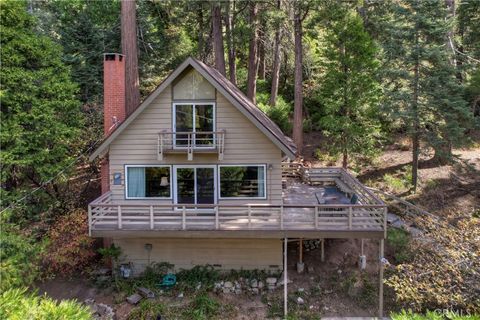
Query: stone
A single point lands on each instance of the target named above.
(238, 291)
(226, 290)
(180, 295)
(255, 290)
(300, 267)
(260, 285)
(301, 290)
(339, 271)
(271, 281)
(280, 282)
(146, 293)
(300, 301)
(134, 298)
(310, 269)
(105, 312)
(254, 283)
(228, 285)
(199, 285)
(89, 301)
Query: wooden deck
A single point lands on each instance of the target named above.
(300, 212)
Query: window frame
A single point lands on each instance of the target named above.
(216, 170)
(147, 166)
(219, 183)
(193, 103)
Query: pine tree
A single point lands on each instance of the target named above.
(349, 90)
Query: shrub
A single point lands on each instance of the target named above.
(19, 263)
(399, 242)
(18, 304)
(147, 309)
(432, 315)
(280, 113)
(203, 307)
(70, 248)
(206, 275)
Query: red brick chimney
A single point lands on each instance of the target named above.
(113, 104)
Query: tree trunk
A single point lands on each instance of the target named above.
(298, 94)
(129, 49)
(261, 55)
(252, 59)
(416, 121)
(232, 67)
(276, 63)
(201, 31)
(218, 38)
(345, 159)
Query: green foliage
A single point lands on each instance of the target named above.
(151, 277)
(206, 275)
(110, 253)
(18, 304)
(280, 113)
(432, 315)
(40, 115)
(349, 92)
(203, 307)
(147, 309)
(399, 242)
(19, 259)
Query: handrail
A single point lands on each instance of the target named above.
(189, 142)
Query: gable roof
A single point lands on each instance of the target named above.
(225, 87)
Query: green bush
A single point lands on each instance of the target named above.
(203, 307)
(399, 242)
(19, 259)
(147, 309)
(432, 315)
(206, 275)
(18, 304)
(280, 113)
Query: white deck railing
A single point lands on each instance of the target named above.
(190, 142)
(104, 215)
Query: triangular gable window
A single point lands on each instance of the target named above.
(192, 86)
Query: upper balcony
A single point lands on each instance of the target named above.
(317, 202)
(190, 143)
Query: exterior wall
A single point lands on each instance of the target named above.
(244, 144)
(225, 254)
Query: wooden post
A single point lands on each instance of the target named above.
(216, 218)
(183, 218)
(362, 244)
(380, 289)
(285, 291)
(249, 217)
(349, 218)
(300, 250)
(322, 254)
(281, 217)
(89, 221)
(119, 211)
(151, 218)
(385, 212)
(316, 217)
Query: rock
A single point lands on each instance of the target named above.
(199, 285)
(228, 285)
(254, 283)
(300, 267)
(280, 282)
(89, 301)
(238, 285)
(339, 271)
(271, 281)
(300, 301)
(180, 295)
(255, 290)
(301, 290)
(260, 285)
(134, 298)
(238, 291)
(226, 290)
(310, 269)
(146, 293)
(103, 278)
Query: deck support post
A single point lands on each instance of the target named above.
(89, 221)
(249, 217)
(281, 217)
(119, 211)
(300, 250)
(151, 218)
(350, 218)
(216, 217)
(183, 218)
(380, 289)
(285, 282)
(316, 217)
(322, 249)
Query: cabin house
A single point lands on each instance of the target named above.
(197, 174)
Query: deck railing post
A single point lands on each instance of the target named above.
(216, 218)
(119, 211)
(151, 218)
(350, 218)
(249, 217)
(385, 213)
(281, 217)
(316, 217)
(184, 218)
(89, 221)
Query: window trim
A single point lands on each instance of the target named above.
(193, 104)
(242, 165)
(146, 166)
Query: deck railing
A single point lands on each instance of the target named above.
(103, 215)
(190, 142)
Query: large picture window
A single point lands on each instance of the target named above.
(199, 119)
(242, 181)
(148, 182)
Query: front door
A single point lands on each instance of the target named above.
(195, 184)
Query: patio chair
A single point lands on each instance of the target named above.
(354, 199)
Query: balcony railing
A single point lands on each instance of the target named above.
(191, 142)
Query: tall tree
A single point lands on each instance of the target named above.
(349, 90)
(218, 37)
(276, 59)
(229, 28)
(129, 49)
(253, 53)
(40, 114)
(300, 11)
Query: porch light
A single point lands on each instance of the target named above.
(270, 167)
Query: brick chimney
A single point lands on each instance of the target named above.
(113, 104)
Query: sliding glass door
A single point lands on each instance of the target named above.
(194, 124)
(195, 184)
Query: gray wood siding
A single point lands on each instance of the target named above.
(186, 253)
(244, 144)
